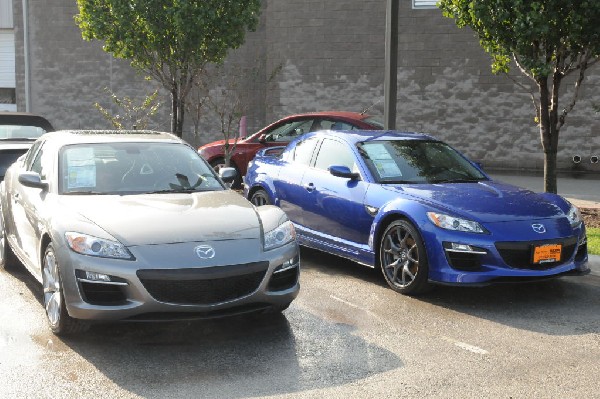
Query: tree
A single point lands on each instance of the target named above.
(133, 116)
(170, 40)
(548, 40)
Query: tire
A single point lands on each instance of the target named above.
(219, 163)
(403, 259)
(54, 301)
(8, 260)
(260, 198)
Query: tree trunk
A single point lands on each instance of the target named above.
(546, 135)
(174, 108)
(180, 114)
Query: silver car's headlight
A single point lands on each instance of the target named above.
(280, 235)
(453, 223)
(574, 216)
(94, 246)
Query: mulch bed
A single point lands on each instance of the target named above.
(591, 217)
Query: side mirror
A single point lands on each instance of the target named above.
(227, 174)
(343, 171)
(262, 138)
(32, 179)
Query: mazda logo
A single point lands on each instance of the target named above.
(205, 251)
(538, 228)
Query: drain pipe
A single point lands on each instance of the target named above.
(576, 159)
(25, 7)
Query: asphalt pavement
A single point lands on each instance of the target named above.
(582, 191)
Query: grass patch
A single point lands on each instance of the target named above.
(593, 236)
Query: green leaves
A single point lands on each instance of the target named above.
(543, 34)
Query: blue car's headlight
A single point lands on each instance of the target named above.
(453, 223)
(94, 246)
(574, 216)
(280, 235)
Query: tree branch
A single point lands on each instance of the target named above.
(530, 92)
(582, 66)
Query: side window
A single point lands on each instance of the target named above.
(337, 125)
(41, 163)
(304, 151)
(289, 131)
(31, 154)
(335, 153)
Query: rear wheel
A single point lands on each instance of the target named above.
(54, 301)
(260, 198)
(403, 259)
(219, 163)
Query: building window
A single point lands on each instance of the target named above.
(424, 3)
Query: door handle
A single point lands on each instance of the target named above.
(309, 187)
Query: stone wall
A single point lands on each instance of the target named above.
(331, 55)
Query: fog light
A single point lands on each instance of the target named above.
(93, 276)
(461, 247)
(288, 264)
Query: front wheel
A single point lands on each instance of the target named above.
(260, 198)
(54, 300)
(403, 259)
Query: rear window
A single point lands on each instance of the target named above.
(7, 157)
(19, 132)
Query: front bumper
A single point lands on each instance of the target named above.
(504, 255)
(159, 285)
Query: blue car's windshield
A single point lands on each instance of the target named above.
(130, 168)
(417, 161)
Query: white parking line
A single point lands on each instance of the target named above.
(465, 346)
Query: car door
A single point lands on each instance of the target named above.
(288, 185)
(334, 206)
(30, 201)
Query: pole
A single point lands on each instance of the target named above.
(391, 64)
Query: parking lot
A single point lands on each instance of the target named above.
(347, 335)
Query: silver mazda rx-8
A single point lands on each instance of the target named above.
(137, 226)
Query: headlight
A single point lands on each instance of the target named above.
(279, 236)
(94, 246)
(453, 223)
(574, 216)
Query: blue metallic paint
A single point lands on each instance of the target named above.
(332, 215)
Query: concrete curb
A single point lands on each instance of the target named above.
(594, 264)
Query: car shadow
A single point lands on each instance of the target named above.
(561, 306)
(236, 357)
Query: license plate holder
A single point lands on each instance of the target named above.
(548, 253)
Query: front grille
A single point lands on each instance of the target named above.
(518, 254)
(203, 286)
(102, 294)
(284, 280)
(463, 260)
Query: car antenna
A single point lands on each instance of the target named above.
(369, 107)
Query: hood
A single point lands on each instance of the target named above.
(487, 201)
(169, 218)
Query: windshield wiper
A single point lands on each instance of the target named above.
(18, 139)
(85, 192)
(474, 180)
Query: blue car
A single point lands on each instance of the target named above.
(416, 208)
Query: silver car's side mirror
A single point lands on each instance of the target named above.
(227, 174)
(32, 179)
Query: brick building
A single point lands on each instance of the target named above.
(331, 54)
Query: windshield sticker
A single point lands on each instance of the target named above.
(383, 160)
(81, 168)
(387, 168)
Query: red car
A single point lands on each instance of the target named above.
(282, 132)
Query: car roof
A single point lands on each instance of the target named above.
(356, 136)
(25, 119)
(64, 137)
(341, 114)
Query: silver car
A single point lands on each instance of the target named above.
(137, 226)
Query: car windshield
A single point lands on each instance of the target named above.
(417, 161)
(133, 168)
(374, 122)
(20, 132)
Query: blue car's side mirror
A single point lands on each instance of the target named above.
(343, 171)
